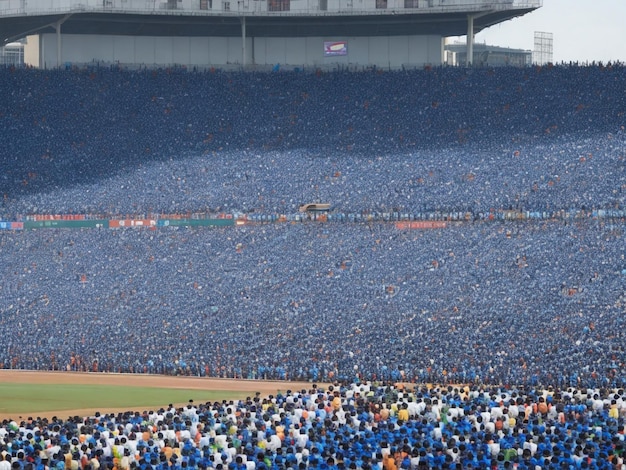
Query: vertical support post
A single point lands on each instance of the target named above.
(57, 26)
(243, 41)
(470, 40)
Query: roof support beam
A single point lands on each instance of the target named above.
(23, 34)
(470, 35)
(57, 27)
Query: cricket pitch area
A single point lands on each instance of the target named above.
(36, 378)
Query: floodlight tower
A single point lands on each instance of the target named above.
(542, 52)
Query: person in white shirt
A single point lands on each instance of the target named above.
(302, 438)
(185, 434)
(5, 461)
(273, 442)
(250, 464)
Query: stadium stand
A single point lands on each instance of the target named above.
(104, 141)
(519, 305)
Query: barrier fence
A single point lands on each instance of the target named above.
(402, 220)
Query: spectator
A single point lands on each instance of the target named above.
(530, 302)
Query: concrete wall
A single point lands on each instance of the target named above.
(31, 51)
(386, 52)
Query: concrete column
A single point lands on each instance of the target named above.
(470, 40)
(243, 41)
(57, 26)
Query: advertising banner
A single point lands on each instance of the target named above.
(335, 48)
(420, 225)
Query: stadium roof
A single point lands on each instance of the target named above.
(282, 24)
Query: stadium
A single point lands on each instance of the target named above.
(429, 260)
(251, 34)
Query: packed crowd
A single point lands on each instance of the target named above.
(538, 302)
(488, 302)
(122, 142)
(359, 426)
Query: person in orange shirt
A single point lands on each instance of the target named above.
(280, 432)
(542, 407)
(146, 435)
(384, 413)
(499, 423)
(389, 462)
(167, 450)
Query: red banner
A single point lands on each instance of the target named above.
(420, 224)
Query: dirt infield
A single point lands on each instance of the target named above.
(139, 380)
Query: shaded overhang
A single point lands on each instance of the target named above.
(378, 23)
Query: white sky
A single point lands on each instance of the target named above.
(584, 30)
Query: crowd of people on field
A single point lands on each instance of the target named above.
(360, 426)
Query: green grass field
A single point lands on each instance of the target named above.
(22, 398)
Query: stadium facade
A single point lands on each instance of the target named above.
(249, 34)
(486, 55)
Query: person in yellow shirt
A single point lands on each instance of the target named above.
(67, 457)
(336, 403)
(403, 413)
